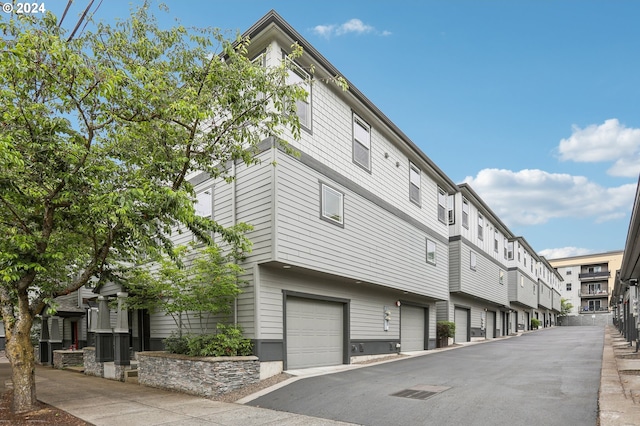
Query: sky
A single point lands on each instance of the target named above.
(535, 104)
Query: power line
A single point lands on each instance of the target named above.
(84, 14)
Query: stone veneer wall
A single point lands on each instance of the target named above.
(202, 376)
(91, 367)
(64, 359)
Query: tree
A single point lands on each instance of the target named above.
(565, 307)
(190, 284)
(97, 137)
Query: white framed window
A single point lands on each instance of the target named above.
(331, 205)
(451, 209)
(299, 77)
(521, 281)
(510, 250)
(472, 261)
(568, 272)
(480, 227)
(204, 203)
(568, 286)
(431, 252)
(414, 183)
(465, 213)
(501, 276)
(495, 240)
(505, 243)
(442, 206)
(361, 143)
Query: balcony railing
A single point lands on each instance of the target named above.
(594, 275)
(586, 309)
(594, 294)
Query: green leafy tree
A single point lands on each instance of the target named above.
(565, 307)
(190, 284)
(98, 134)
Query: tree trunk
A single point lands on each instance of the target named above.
(19, 351)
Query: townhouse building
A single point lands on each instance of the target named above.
(588, 281)
(360, 242)
(478, 288)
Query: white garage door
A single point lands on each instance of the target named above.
(491, 325)
(314, 333)
(411, 328)
(461, 320)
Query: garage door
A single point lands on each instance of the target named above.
(462, 321)
(491, 325)
(314, 333)
(411, 328)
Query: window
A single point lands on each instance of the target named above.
(298, 76)
(204, 203)
(465, 213)
(472, 261)
(501, 277)
(534, 289)
(414, 183)
(442, 205)
(505, 248)
(568, 286)
(480, 227)
(452, 213)
(593, 269)
(431, 252)
(332, 205)
(521, 281)
(510, 250)
(525, 260)
(495, 240)
(361, 143)
(568, 272)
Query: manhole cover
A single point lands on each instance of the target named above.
(420, 392)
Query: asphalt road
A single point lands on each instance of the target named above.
(547, 377)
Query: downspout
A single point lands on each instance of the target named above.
(233, 223)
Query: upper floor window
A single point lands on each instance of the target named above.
(465, 213)
(472, 261)
(480, 227)
(495, 241)
(451, 210)
(298, 76)
(501, 277)
(204, 203)
(332, 204)
(431, 252)
(568, 272)
(442, 206)
(593, 269)
(414, 183)
(506, 249)
(568, 286)
(361, 143)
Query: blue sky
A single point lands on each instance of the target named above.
(535, 104)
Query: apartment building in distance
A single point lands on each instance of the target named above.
(588, 280)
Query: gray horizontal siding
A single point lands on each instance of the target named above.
(366, 303)
(374, 245)
(483, 282)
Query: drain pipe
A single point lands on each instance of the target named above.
(233, 223)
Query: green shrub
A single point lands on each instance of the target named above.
(446, 329)
(228, 341)
(535, 323)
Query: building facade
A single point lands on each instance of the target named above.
(360, 242)
(588, 280)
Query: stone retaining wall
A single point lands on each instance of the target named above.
(65, 358)
(202, 376)
(91, 367)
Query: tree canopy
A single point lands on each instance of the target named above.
(98, 135)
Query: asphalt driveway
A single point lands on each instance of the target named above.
(546, 377)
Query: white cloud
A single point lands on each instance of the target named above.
(559, 253)
(351, 26)
(610, 141)
(533, 197)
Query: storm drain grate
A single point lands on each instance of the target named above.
(420, 392)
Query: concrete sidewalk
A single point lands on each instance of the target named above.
(619, 396)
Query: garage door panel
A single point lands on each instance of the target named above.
(412, 328)
(491, 325)
(461, 318)
(314, 333)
